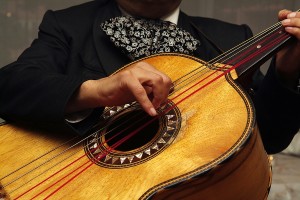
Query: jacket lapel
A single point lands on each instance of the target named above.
(110, 56)
(206, 50)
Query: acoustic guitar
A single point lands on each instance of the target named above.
(204, 144)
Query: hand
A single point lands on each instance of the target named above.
(287, 60)
(140, 82)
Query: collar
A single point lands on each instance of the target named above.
(172, 17)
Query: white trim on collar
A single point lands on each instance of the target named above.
(172, 17)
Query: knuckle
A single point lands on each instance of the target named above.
(158, 78)
(168, 81)
(125, 74)
(143, 64)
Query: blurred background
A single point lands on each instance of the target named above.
(19, 20)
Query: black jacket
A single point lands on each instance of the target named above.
(72, 48)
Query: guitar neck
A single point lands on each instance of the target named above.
(261, 48)
(247, 57)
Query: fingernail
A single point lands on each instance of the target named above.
(286, 21)
(293, 14)
(288, 29)
(153, 112)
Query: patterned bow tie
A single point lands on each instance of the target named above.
(138, 38)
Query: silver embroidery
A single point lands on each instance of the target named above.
(138, 37)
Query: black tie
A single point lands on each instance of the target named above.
(138, 38)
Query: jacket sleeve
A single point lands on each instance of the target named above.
(36, 88)
(278, 112)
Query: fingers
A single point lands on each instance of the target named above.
(291, 22)
(283, 14)
(140, 94)
(149, 86)
(158, 82)
(287, 59)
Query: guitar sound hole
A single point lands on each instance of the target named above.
(128, 123)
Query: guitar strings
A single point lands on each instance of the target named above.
(221, 57)
(64, 151)
(234, 51)
(105, 153)
(63, 144)
(58, 163)
(65, 158)
(226, 55)
(41, 156)
(253, 39)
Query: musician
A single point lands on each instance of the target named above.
(65, 72)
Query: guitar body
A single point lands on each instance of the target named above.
(213, 150)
